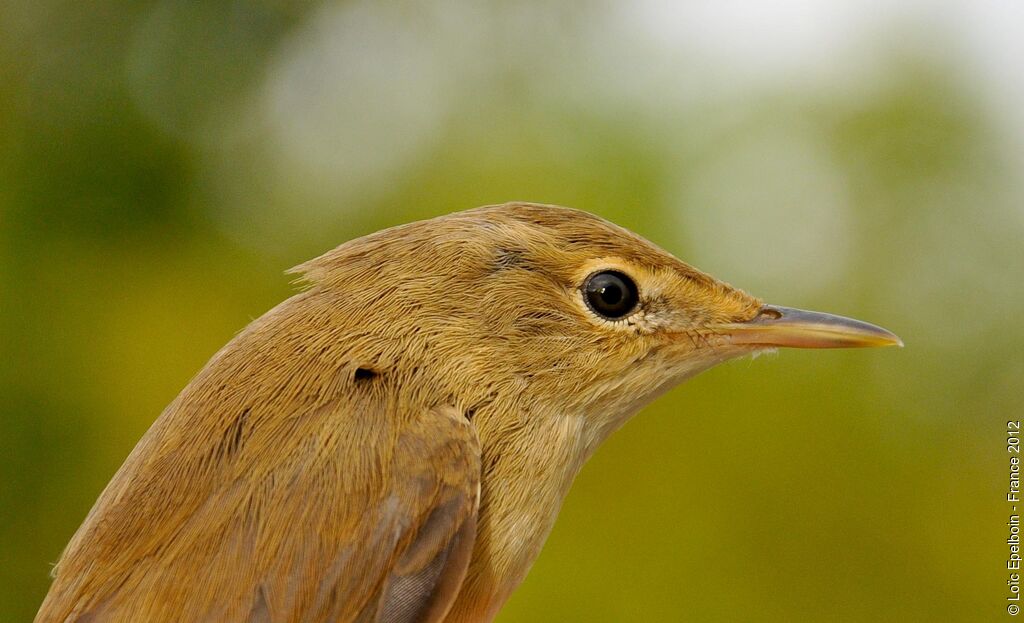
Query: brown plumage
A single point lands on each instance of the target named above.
(393, 443)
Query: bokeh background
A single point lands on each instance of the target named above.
(163, 162)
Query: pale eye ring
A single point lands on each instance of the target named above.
(611, 294)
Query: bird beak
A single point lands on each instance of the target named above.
(796, 328)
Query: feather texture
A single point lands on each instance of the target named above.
(318, 499)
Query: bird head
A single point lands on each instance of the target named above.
(553, 310)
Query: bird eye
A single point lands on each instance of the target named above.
(610, 294)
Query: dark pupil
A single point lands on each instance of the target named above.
(611, 294)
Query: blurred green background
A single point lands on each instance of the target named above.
(163, 162)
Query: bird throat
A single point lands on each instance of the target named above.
(524, 483)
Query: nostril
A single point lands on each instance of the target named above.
(769, 313)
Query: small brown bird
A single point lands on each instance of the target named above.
(394, 442)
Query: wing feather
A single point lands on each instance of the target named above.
(348, 510)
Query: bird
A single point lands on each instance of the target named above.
(393, 443)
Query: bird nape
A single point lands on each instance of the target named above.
(393, 442)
